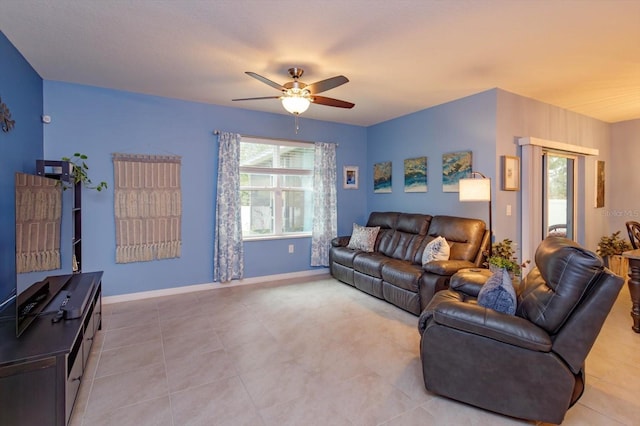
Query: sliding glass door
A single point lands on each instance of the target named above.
(558, 201)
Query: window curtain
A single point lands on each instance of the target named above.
(228, 262)
(325, 213)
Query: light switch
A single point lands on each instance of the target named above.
(508, 209)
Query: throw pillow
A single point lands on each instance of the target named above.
(498, 293)
(437, 249)
(363, 238)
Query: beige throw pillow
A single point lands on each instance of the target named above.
(363, 238)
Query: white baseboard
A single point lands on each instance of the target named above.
(210, 286)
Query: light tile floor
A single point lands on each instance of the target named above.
(317, 352)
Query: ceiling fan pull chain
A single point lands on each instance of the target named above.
(297, 127)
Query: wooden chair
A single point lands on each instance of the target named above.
(633, 228)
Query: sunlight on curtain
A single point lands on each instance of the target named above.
(228, 256)
(325, 215)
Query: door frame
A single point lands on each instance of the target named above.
(531, 195)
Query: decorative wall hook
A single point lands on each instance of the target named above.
(5, 117)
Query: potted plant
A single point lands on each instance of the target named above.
(503, 256)
(80, 169)
(610, 248)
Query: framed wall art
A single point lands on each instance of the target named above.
(599, 184)
(382, 177)
(350, 177)
(510, 173)
(455, 166)
(415, 174)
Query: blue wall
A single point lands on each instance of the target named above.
(21, 91)
(467, 124)
(99, 122)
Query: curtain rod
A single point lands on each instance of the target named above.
(217, 132)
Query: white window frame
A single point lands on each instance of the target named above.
(278, 173)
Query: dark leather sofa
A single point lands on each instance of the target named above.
(394, 271)
(530, 365)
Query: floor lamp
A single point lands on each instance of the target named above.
(478, 189)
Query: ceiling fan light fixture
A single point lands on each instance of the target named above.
(295, 104)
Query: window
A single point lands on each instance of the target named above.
(276, 188)
(558, 201)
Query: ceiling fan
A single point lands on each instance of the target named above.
(296, 95)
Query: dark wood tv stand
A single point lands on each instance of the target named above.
(41, 371)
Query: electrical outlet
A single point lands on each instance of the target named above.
(290, 248)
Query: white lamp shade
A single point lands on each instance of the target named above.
(295, 104)
(475, 189)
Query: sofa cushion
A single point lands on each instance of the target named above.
(498, 293)
(405, 246)
(384, 220)
(370, 263)
(413, 223)
(363, 237)
(344, 256)
(400, 233)
(402, 274)
(437, 249)
(463, 235)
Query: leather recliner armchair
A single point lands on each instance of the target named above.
(529, 365)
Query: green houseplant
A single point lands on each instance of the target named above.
(612, 245)
(503, 256)
(610, 248)
(80, 169)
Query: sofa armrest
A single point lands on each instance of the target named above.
(449, 309)
(341, 241)
(469, 281)
(447, 267)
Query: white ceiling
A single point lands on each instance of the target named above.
(401, 56)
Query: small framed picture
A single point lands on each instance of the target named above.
(350, 179)
(510, 173)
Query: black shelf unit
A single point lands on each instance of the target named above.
(63, 171)
(42, 370)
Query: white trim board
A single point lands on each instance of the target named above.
(558, 146)
(210, 286)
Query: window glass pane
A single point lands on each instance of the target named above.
(297, 211)
(289, 181)
(257, 213)
(295, 157)
(256, 154)
(256, 180)
(559, 199)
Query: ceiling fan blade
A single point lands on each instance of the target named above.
(324, 85)
(322, 100)
(265, 80)
(255, 99)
